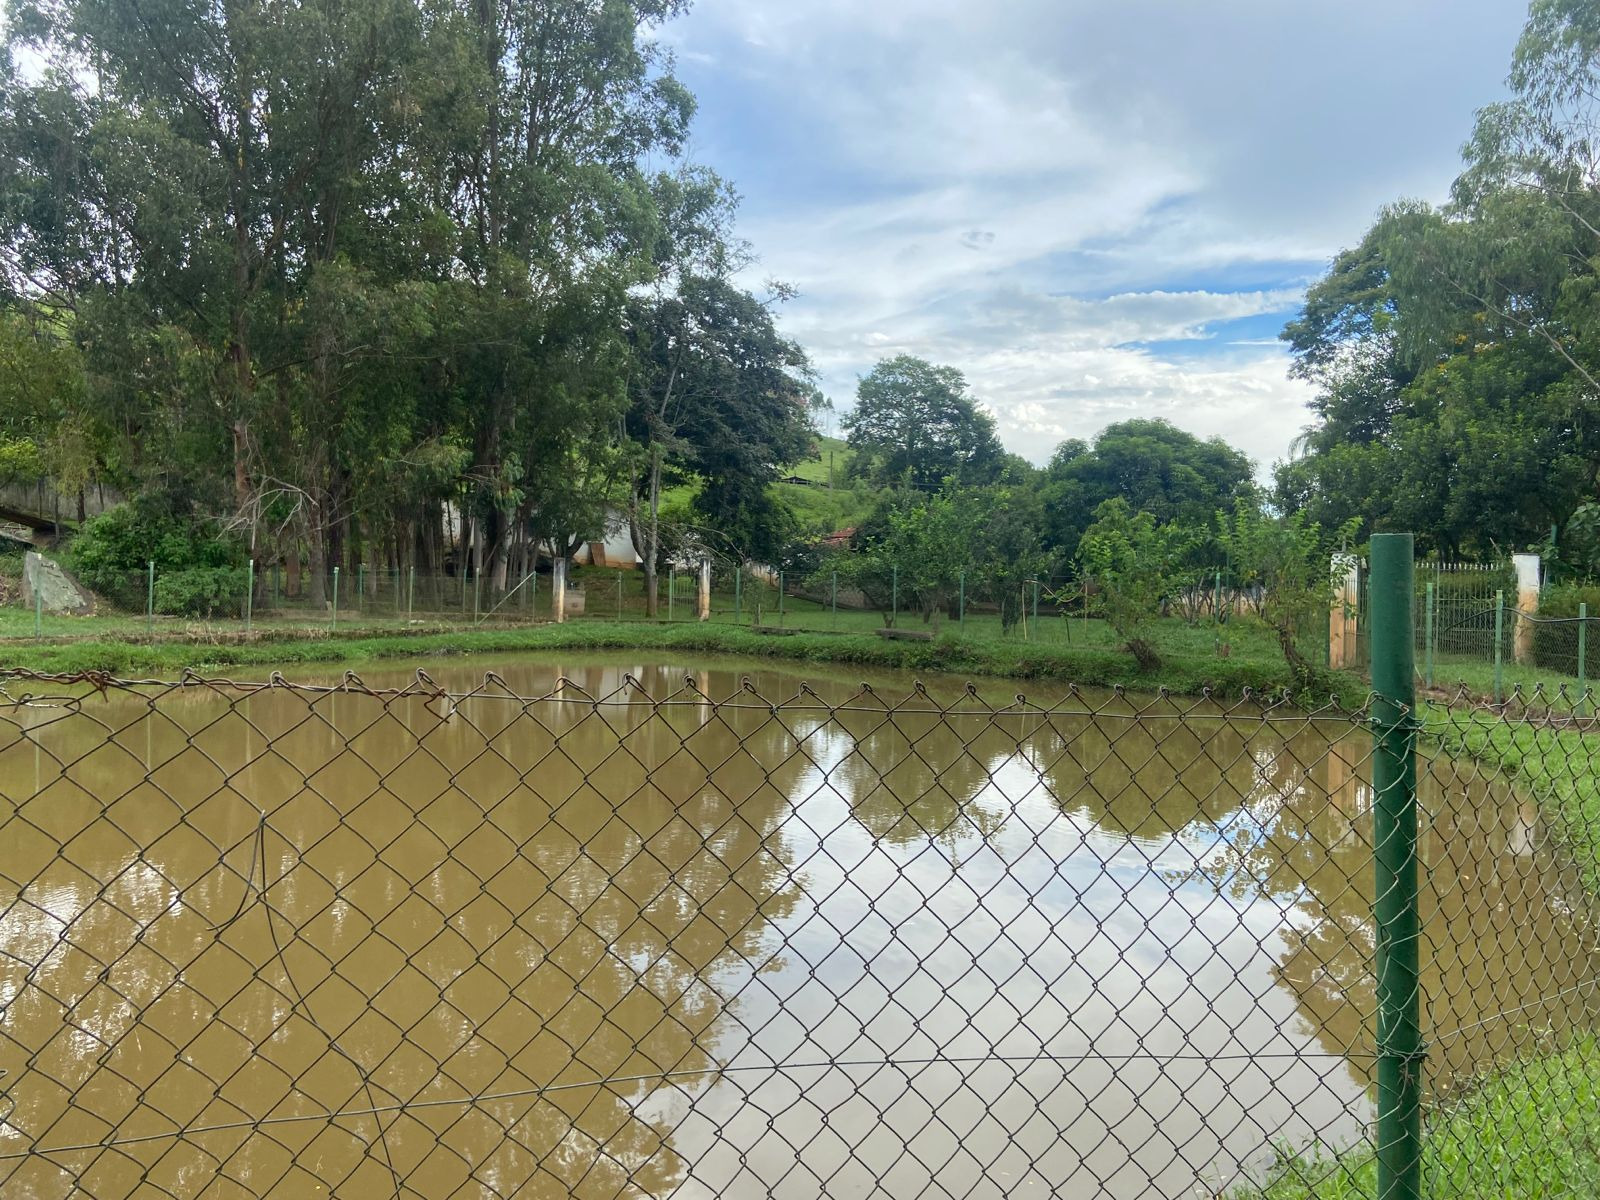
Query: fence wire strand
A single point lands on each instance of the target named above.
(273, 939)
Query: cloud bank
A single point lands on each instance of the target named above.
(1096, 210)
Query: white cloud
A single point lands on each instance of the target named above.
(1036, 191)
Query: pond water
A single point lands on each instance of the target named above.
(1032, 954)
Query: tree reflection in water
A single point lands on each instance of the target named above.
(1024, 951)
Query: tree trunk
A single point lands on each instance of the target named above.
(651, 550)
(316, 538)
(1144, 654)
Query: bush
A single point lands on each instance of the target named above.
(202, 592)
(1555, 645)
(113, 551)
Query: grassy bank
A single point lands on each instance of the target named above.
(1529, 1130)
(1553, 758)
(1186, 670)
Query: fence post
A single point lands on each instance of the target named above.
(249, 590)
(835, 600)
(336, 597)
(738, 594)
(961, 610)
(1342, 619)
(1216, 604)
(1035, 613)
(619, 595)
(703, 602)
(38, 603)
(1583, 657)
(672, 589)
(1499, 638)
(361, 588)
(1392, 592)
(1427, 637)
(1527, 569)
(411, 591)
(150, 600)
(894, 593)
(558, 589)
(780, 599)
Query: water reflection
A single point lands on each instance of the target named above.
(1022, 955)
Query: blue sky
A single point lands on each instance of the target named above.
(1096, 209)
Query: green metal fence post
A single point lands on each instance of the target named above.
(961, 610)
(1427, 636)
(672, 589)
(1036, 604)
(1499, 636)
(1394, 782)
(780, 599)
(477, 596)
(619, 595)
(1583, 658)
(336, 597)
(1216, 603)
(361, 587)
(150, 600)
(894, 593)
(738, 594)
(38, 607)
(834, 601)
(411, 591)
(249, 590)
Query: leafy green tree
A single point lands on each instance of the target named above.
(1136, 563)
(1290, 560)
(1006, 550)
(914, 424)
(1151, 465)
(719, 396)
(1456, 352)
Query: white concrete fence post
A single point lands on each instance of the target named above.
(1344, 650)
(558, 588)
(703, 598)
(1526, 567)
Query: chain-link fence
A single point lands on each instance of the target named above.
(291, 940)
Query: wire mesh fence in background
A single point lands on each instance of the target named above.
(1062, 608)
(290, 940)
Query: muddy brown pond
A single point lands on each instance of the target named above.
(697, 949)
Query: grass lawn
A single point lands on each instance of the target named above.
(1084, 653)
(1529, 1131)
(1532, 1128)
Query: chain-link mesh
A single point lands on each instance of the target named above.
(284, 940)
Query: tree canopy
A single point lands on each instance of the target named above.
(324, 271)
(1456, 351)
(914, 424)
(1151, 465)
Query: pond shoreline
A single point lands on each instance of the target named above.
(946, 654)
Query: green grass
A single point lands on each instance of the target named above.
(1555, 761)
(832, 453)
(1530, 1130)
(1091, 661)
(1452, 672)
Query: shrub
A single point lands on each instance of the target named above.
(1555, 635)
(202, 592)
(112, 553)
